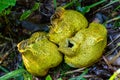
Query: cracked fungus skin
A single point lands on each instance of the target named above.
(86, 47)
(39, 54)
(65, 23)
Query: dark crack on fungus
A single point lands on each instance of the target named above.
(70, 44)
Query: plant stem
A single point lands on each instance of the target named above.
(55, 3)
(12, 74)
(69, 4)
(95, 4)
(3, 69)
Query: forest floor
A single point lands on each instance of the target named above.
(13, 30)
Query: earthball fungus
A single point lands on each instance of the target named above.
(70, 34)
(85, 47)
(39, 54)
(65, 23)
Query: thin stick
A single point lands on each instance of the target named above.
(107, 62)
(113, 40)
(6, 38)
(116, 18)
(115, 57)
(111, 51)
(7, 53)
(77, 70)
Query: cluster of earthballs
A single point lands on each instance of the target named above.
(69, 35)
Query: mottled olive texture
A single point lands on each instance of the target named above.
(39, 54)
(86, 47)
(65, 23)
(82, 45)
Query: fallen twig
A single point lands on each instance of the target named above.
(6, 38)
(7, 53)
(74, 71)
(107, 62)
(115, 57)
(114, 40)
